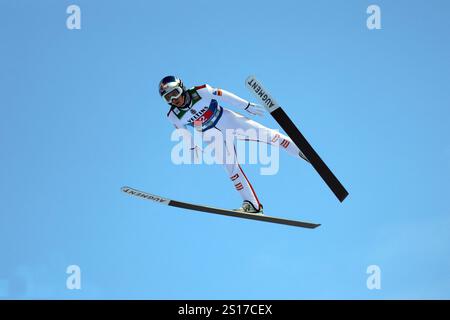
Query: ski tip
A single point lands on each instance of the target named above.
(249, 78)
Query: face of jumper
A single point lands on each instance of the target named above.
(179, 102)
(175, 96)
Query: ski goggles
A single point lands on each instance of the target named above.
(173, 94)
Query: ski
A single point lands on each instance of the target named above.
(294, 133)
(225, 212)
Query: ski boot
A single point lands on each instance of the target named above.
(247, 207)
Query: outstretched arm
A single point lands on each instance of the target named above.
(192, 146)
(233, 100)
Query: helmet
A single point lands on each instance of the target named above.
(170, 88)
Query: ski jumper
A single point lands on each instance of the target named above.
(206, 111)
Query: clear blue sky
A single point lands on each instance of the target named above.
(81, 116)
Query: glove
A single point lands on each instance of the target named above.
(195, 157)
(254, 109)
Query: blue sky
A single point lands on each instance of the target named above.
(81, 117)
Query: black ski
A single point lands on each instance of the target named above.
(294, 133)
(230, 213)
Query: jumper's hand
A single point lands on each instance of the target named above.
(254, 109)
(195, 154)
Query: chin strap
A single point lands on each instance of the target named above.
(187, 99)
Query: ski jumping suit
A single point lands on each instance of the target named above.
(205, 112)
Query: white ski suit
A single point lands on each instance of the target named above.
(206, 111)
